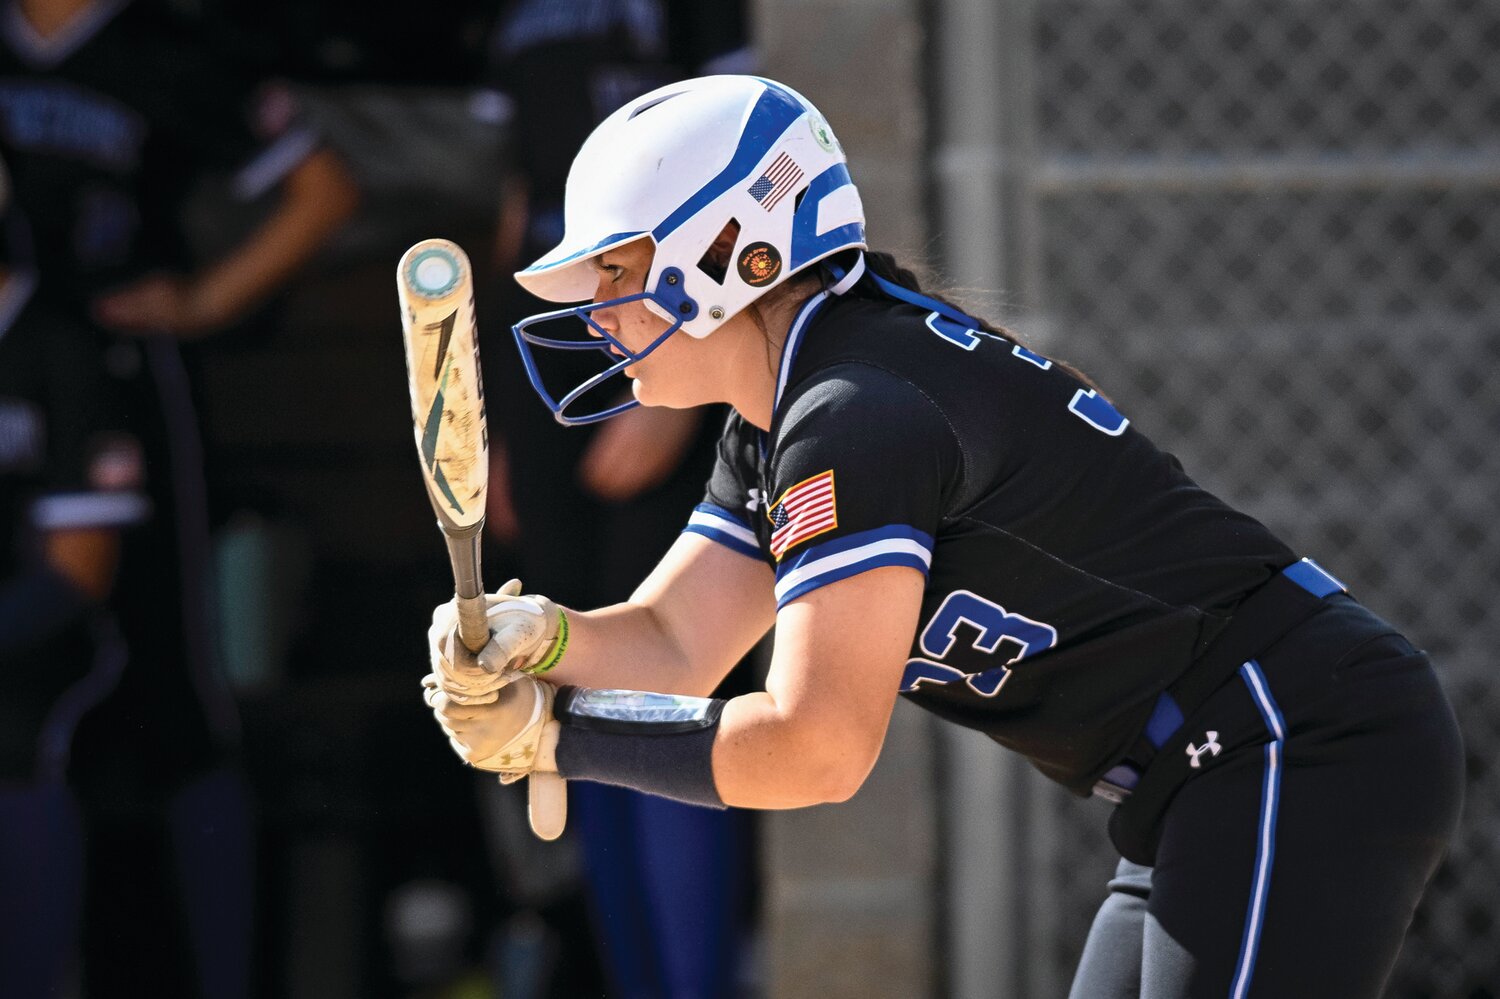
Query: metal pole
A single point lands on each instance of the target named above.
(983, 847)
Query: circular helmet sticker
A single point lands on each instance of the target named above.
(822, 133)
(759, 264)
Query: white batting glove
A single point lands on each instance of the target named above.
(526, 632)
(513, 734)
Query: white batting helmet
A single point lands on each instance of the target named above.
(679, 165)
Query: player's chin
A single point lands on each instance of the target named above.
(648, 392)
(639, 389)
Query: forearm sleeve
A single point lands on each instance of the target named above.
(658, 743)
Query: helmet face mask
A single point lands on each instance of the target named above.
(668, 301)
(681, 165)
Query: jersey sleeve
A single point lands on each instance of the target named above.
(861, 464)
(224, 117)
(725, 514)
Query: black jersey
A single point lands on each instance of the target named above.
(1073, 569)
(106, 126)
(66, 463)
(564, 65)
(66, 458)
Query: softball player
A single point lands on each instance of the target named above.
(922, 505)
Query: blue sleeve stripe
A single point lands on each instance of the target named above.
(785, 594)
(845, 557)
(718, 524)
(838, 546)
(712, 513)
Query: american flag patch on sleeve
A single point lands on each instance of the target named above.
(804, 511)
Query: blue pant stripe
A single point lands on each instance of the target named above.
(1265, 847)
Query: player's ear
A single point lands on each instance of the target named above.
(715, 262)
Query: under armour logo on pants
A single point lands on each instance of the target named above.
(1210, 746)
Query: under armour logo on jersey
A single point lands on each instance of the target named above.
(1210, 746)
(756, 501)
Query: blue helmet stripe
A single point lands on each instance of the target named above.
(618, 237)
(807, 243)
(774, 112)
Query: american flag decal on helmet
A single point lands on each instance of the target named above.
(780, 177)
(804, 511)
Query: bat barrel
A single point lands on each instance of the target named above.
(435, 285)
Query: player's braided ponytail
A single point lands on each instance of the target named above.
(886, 267)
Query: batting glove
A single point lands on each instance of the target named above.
(528, 634)
(512, 734)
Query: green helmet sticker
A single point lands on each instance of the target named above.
(822, 132)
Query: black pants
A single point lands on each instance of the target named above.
(1291, 859)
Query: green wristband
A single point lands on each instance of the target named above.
(559, 646)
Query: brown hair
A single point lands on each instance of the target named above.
(799, 286)
(879, 264)
(886, 267)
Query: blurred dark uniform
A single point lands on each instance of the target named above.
(107, 125)
(66, 464)
(562, 68)
(669, 884)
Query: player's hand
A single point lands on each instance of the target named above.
(637, 451)
(525, 631)
(511, 735)
(160, 304)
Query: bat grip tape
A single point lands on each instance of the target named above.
(473, 622)
(468, 585)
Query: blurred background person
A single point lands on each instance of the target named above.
(110, 112)
(670, 887)
(70, 483)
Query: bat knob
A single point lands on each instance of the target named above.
(547, 803)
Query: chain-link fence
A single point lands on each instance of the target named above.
(1271, 228)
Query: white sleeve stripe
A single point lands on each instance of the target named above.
(733, 528)
(275, 162)
(64, 510)
(833, 563)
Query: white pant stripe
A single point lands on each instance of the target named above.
(1265, 847)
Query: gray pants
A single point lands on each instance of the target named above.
(1124, 933)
